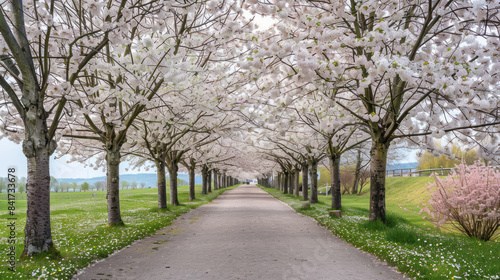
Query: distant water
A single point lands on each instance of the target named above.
(407, 165)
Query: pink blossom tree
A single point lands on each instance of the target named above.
(468, 199)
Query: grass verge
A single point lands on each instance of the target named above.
(417, 252)
(80, 231)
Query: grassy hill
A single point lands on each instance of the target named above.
(401, 192)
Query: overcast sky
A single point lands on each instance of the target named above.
(12, 156)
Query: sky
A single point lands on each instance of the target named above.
(12, 156)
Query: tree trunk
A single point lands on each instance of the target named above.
(335, 188)
(204, 187)
(297, 182)
(285, 182)
(214, 172)
(172, 173)
(113, 186)
(38, 235)
(191, 182)
(378, 166)
(162, 185)
(209, 181)
(357, 173)
(37, 147)
(305, 182)
(314, 182)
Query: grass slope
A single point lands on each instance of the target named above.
(80, 231)
(407, 242)
(401, 192)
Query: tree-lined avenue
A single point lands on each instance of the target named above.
(243, 234)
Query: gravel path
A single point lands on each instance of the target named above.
(243, 234)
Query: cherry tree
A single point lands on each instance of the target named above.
(162, 57)
(44, 48)
(339, 130)
(392, 65)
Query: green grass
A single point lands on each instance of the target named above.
(80, 231)
(404, 197)
(406, 241)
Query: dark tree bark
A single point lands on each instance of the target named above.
(38, 235)
(282, 182)
(314, 181)
(162, 184)
(286, 182)
(113, 158)
(378, 167)
(192, 195)
(305, 182)
(204, 186)
(216, 187)
(297, 182)
(335, 176)
(209, 180)
(172, 172)
(357, 173)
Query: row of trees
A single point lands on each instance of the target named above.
(111, 80)
(374, 73)
(197, 86)
(21, 184)
(57, 186)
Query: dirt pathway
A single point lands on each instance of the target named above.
(243, 234)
